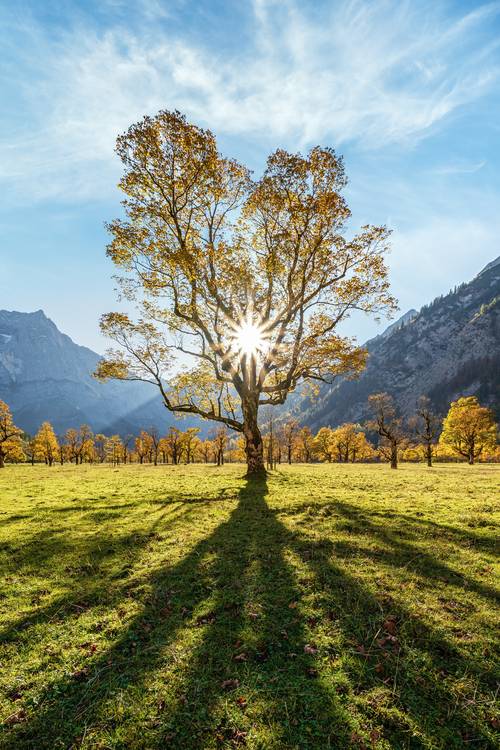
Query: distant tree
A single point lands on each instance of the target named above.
(46, 444)
(270, 439)
(164, 450)
(388, 425)
(127, 441)
(290, 429)
(191, 442)
(79, 443)
(114, 449)
(350, 443)
(426, 426)
(154, 444)
(249, 279)
(175, 444)
(100, 447)
(305, 444)
(143, 446)
(29, 448)
(10, 435)
(469, 428)
(219, 441)
(206, 450)
(323, 444)
(362, 449)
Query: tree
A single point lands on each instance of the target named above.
(154, 444)
(305, 444)
(206, 450)
(29, 448)
(114, 449)
(362, 449)
(175, 444)
(127, 440)
(47, 447)
(350, 443)
(248, 279)
(290, 429)
(80, 443)
(426, 426)
(100, 447)
(219, 441)
(323, 444)
(469, 428)
(143, 446)
(10, 435)
(387, 424)
(191, 443)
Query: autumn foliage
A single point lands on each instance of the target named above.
(207, 252)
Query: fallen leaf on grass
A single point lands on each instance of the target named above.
(241, 701)
(238, 736)
(390, 625)
(240, 657)
(80, 674)
(16, 718)
(230, 684)
(310, 649)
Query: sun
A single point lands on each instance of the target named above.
(248, 338)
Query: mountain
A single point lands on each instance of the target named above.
(448, 349)
(44, 375)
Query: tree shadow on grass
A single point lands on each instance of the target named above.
(226, 652)
(229, 600)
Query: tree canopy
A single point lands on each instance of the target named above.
(247, 280)
(10, 442)
(469, 428)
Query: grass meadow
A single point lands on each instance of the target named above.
(187, 608)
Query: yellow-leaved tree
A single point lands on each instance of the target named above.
(248, 279)
(46, 444)
(469, 429)
(10, 437)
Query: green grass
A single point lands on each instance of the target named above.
(187, 608)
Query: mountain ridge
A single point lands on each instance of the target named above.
(451, 347)
(45, 375)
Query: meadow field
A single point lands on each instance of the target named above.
(328, 606)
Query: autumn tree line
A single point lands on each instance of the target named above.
(468, 433)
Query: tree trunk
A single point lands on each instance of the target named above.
(471, 459)
(394, 456)
(2, 462)
(254, 446)
(429, 455)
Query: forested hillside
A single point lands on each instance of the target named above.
(448, 349)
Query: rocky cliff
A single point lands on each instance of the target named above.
(45, 375)
(450, 348)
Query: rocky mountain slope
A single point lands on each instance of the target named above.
(45, 375)
(448, 349)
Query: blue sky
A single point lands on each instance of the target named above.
(408, 92)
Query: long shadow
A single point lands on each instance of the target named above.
(224, 638)
(206, 594)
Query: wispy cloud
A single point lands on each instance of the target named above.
(372, 73)
(461, 167)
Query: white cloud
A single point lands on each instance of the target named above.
(459, 167)
(374, 73)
